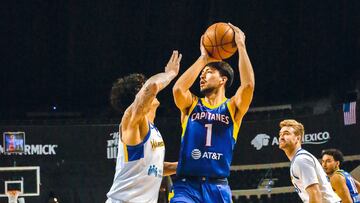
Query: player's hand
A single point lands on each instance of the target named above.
(204, 54)
(174, 63)
(239, 36)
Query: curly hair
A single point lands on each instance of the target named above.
(124, 90)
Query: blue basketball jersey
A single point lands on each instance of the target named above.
(350, 185)
(208, 138)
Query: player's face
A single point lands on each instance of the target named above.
(329, 164)
(287, 138)
(210, 79)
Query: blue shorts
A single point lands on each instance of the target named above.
(201, 189)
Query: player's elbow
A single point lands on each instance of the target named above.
(177, 90)
(152, 88)
(249, 87)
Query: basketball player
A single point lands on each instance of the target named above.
(307, 175)
(341, 181)
(210, 125)
(139, 165)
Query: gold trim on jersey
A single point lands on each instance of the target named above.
(236, 126)
(126, 156)
(155, 144)
(212, 106)
(171, 195)
(184, 124)
(339, 171)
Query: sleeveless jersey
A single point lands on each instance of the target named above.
(139, 170)
(207, 142)
(305, 170)
(350, 185)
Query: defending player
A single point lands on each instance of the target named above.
(210, 125)
(307, 175)
(140, 163)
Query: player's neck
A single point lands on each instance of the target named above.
(215, 97)
(331, 174)
(290, 152)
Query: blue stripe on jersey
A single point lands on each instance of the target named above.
(136, 152)
(350, 185)
(300, 151)
(207, 140)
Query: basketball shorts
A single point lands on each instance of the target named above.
(201, 189)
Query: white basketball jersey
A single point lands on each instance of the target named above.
(306, 170)
(139, 170)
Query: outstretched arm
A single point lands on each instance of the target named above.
(244, 94)
(181, 90)
(132, 131)
(155, 84)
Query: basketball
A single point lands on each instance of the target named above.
(219, 41)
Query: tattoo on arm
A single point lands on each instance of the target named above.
(163, 79)
(151, 88)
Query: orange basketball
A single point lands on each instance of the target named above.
(219, 41)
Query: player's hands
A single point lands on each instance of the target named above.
(174, 63)
(203, 51)
(239, 36)
(204, 54)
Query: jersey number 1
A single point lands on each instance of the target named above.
(208, 134)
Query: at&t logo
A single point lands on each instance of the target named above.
(196, 154)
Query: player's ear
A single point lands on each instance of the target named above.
(338, 164)
(299, 138)
(223, 79)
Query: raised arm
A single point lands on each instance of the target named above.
(154, 85)
(244, 94)
(134, 122)
(181, 90)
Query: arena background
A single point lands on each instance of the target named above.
(59, 59)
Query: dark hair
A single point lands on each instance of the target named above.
(224, 69)
(124, 90)
(337, 154)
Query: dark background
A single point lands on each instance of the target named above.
(67, 53)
